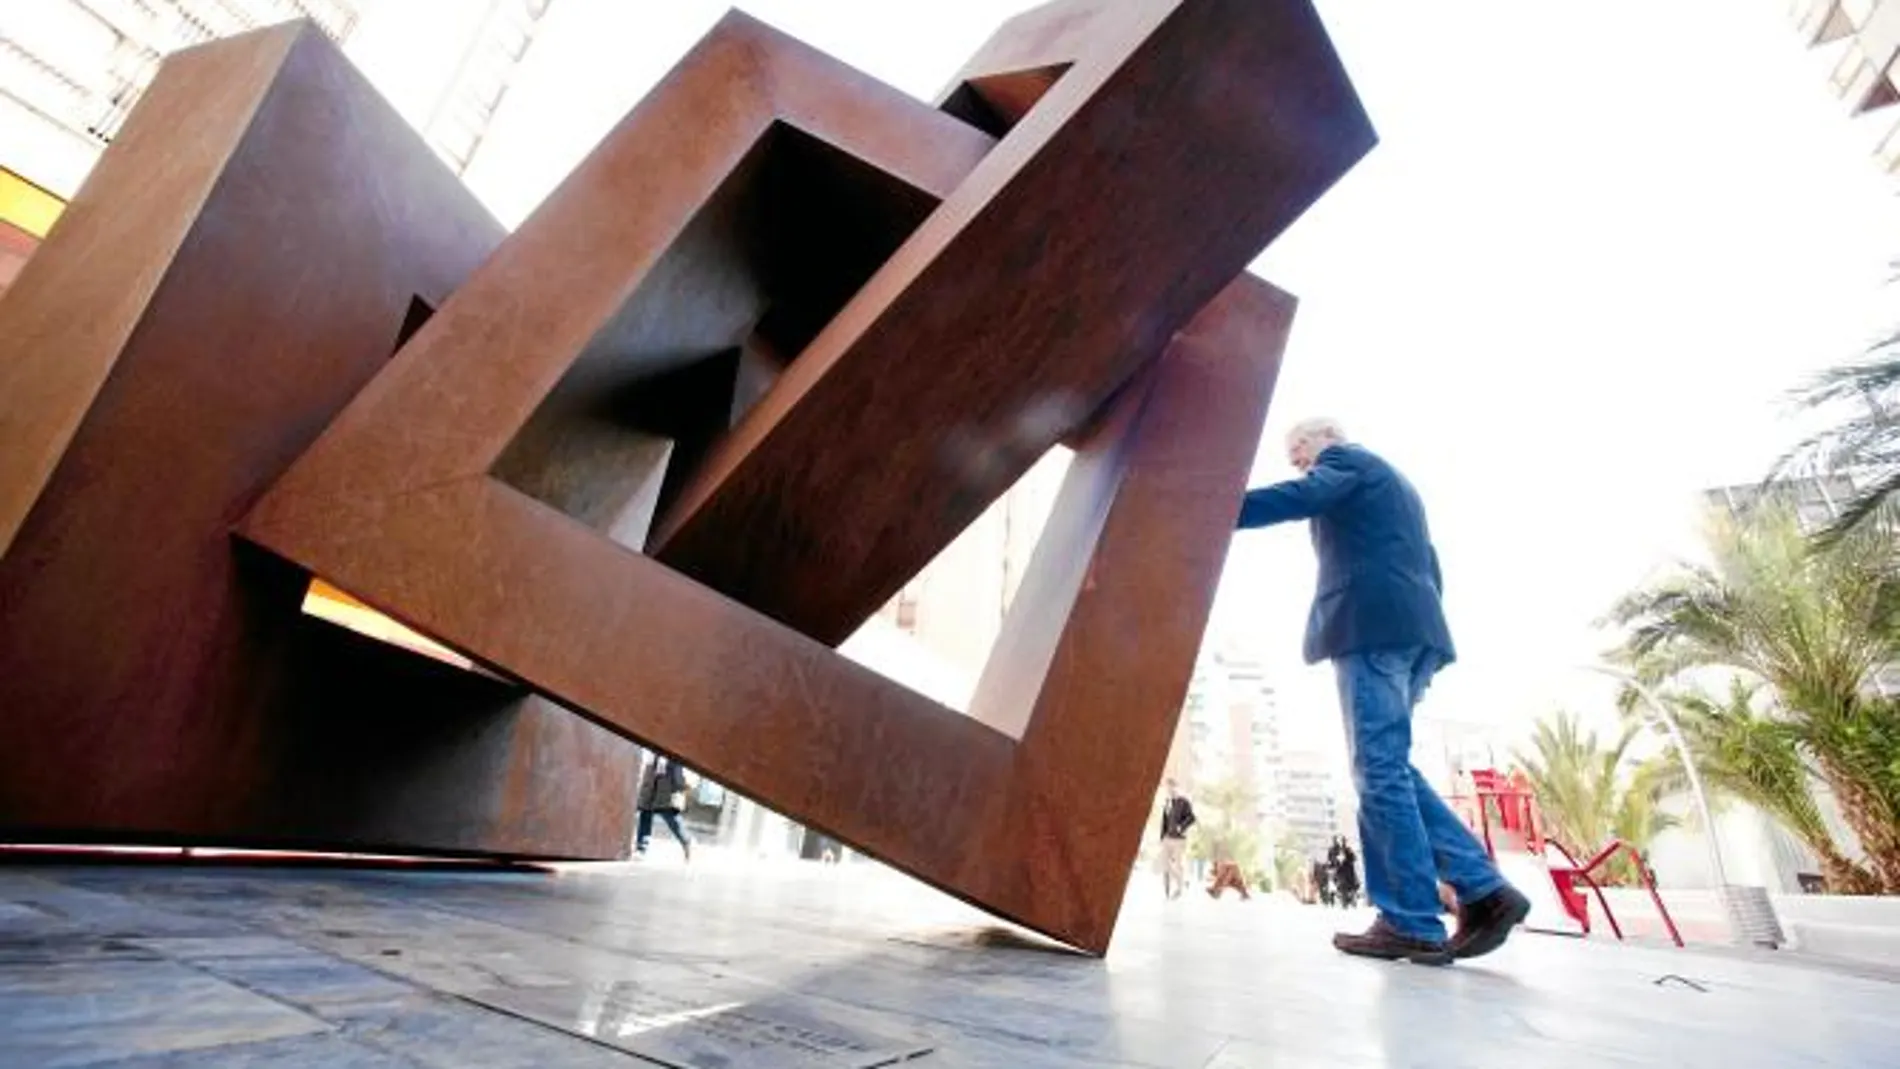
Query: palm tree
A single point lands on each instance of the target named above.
(1858, 746)
(1816, 627)
(1590, 792)
(1866, 441)
(1750, 755)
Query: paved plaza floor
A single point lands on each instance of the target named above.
(810, 966)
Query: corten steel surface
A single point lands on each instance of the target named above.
(1100, 644)
(1183, 136)
(240, 263)
(492, 488)
(666, 281)
(786, 330)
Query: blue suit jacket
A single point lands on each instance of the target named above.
(1379, 584)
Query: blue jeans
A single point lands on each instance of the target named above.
(1409, 837)
(644, 833)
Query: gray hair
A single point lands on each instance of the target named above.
(1322, 431)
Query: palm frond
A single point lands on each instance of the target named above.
(1873, 502)
(1590, 789)
(1873, 377)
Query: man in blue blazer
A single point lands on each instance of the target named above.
(1377, 617)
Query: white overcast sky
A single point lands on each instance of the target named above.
(1597, 243)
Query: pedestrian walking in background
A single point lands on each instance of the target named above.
(1177, 816)
(663, 794)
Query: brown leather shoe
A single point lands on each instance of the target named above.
(1383, 942)
(1484, 925)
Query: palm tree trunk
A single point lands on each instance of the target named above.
(1866, 816)
(1844, 876)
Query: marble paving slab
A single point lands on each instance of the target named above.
(106, 1008)
(687, 1025)
(819, 967)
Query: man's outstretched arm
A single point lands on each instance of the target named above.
(1298, 499)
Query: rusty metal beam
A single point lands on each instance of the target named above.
(810, 323)
(1180, 138)
(197, 316)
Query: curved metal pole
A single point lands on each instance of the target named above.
(1659, 712)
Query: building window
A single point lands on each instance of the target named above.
(1852, 69)
(84, 65)
(1888, 152)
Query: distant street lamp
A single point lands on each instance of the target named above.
(1750, 913)
(1660, 714)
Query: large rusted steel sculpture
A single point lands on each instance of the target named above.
(775, 342)
(245, 257)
